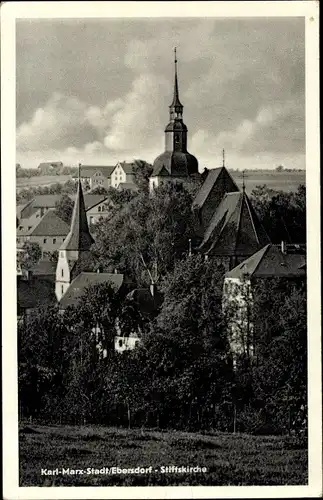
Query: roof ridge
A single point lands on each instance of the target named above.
(245, 197)
(264, 250)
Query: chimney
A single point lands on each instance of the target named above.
(283, 247)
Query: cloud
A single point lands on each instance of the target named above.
(241, 83)
(273, 130)
(62, 122)
(136, 123)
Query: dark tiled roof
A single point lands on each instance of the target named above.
(128, 185)
(91, 200)
(234, 228)
(129, 168)
(176, 163)
(79, 237)
(35, 292)
(83, 280)
(87, 171)
(50, 225)
(46, 200)
(270, 262)
(214, 176)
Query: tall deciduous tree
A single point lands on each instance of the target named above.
(147, 233)
(64, 208)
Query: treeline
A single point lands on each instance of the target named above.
(45, 170)
(28, 194)
(181, 374)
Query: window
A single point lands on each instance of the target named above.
(62, 289)
(62, 273)
(54, 241)
(29, 228)
(99, 209)
(120, 343)
(45, 240)
(20, 228)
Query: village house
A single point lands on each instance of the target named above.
(122, 173)
(33, 293)
(49, 233)
(93, 176)
(271, 262)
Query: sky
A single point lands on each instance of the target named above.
(97, 91)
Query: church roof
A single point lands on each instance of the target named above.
(79, 237)
(215, 176)
(176, 102)
(176, 125)
(176, 163)
(268, 262)
(83, 280)
(234, 228)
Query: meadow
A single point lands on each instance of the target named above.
(230, 459)
(284, 181)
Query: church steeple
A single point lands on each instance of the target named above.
(176, 107)
(79, 237)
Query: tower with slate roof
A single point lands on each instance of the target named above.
(75, 247)
(175, 163)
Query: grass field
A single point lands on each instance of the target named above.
(285, 181)
(230, 459)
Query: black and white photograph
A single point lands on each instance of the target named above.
(165, 327)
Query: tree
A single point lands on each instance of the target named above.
(186, 351)
(270, 383)
(283, 214)
(142, 172)
(64, 208)
(280, 168)
(147, 233)
(100, 190)
(30, 255)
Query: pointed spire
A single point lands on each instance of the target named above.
(176, 103)
(79, 237)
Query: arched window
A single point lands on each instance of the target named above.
(62, 273)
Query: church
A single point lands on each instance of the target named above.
(175, 163)
(227, 226)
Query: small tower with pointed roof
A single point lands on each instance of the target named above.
(76, 245)
(175, 163)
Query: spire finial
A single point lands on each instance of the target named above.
(243, 181)
(176, 108)
(79, 172)
(223, 158)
